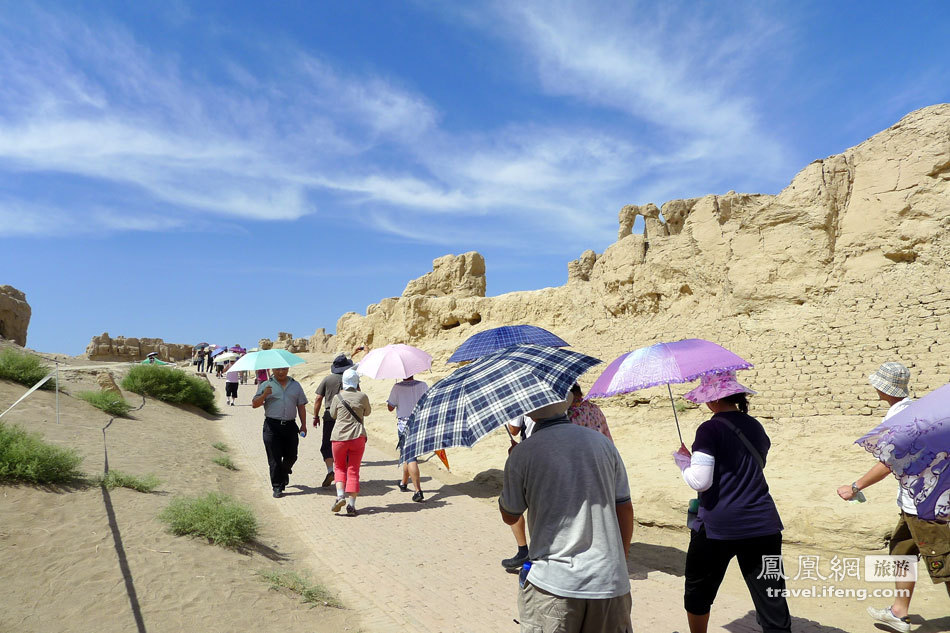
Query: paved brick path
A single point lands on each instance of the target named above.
(433, 566)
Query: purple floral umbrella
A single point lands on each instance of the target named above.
(915, 445)
(663, 364)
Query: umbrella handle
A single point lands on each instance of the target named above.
(675, 418)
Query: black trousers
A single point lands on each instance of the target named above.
(326, 447)
(706, 563)
(280, 442)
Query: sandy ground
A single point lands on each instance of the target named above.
(398, 566)
(78, 559)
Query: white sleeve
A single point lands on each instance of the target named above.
(699, 474)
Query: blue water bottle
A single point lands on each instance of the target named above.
(523, 574)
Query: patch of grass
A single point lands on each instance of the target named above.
(170, 385)
(309, 591)
(111, 403)
(680, 406)
(24, 368)
(221, 446)
(119, 479)
(224, 460)
(26, 457)
(219, 518)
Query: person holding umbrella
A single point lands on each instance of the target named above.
(892, 381)
(573, 486)
(283, 400)
(402, 399)
(737, 516)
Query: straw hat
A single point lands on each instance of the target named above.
(891, 379)
(716, 387)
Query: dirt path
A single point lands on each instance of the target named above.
(434, 566)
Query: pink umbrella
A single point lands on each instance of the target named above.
(394, 361)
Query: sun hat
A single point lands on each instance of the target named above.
(552, 410)
(351, 379)
(715, 387)
(891, 379)
(340, 364)
(150, 354)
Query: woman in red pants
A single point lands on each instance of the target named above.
(348, 440)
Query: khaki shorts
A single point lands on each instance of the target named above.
(542, 612)
(929, 539)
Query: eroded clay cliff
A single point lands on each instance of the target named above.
(14, 315)
(852, 254)
(120, 348)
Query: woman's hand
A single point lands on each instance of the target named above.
(682, 457)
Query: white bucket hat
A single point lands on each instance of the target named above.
(351, 379)
(891, 379)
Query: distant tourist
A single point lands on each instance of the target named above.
(573, 486)
(348, 408)
(403, 398)
(737, 516)
(892, 382)
(329, 387)
(201, 360)
(521, 426)
(231, 379)
(284, 401)
(261, 377)
(586, 413)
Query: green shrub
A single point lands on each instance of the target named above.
(309, 591)
(119, 479)
(24, 368)
(221, 446)
(224, 460)
(217, 517)
(26, 457)
(680, 406)
(170, 385)
(111, 403)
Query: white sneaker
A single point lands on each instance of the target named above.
(886, 617)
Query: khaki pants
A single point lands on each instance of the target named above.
(928, 539)
(542, 612)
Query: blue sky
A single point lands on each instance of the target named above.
(223, 170)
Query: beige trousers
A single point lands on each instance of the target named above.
(542, 612)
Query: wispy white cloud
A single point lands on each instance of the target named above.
(103, 106)
(679, 71)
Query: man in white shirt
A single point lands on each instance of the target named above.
(403, 398)
(891, 381)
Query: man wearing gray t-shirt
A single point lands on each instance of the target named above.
(573, 485)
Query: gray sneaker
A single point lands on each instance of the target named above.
(338, 504)
(887, 618)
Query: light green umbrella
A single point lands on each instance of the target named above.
(267, 359)
(153, 361)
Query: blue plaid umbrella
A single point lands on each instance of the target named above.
(478, 398)
(498, 338)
